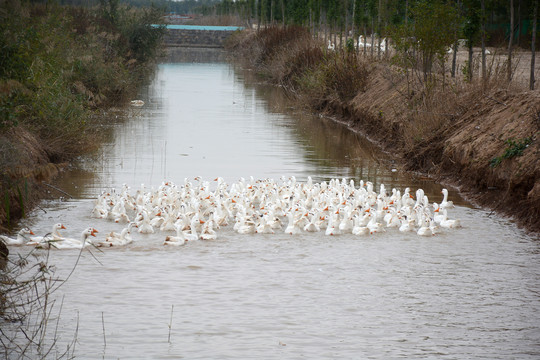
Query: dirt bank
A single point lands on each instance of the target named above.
(27, 163)
(482, 138)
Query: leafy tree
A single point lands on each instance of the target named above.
(427, 36)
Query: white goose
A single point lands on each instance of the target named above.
(435, 229)
(445, 204)
(437, 217)
(53, 235)
(101, 209)
(246, 226)
(292, 224)
(392, 219)
(313, 224)
(69, 243)
(168, 223)
(347, 223)
(374, 226)
(406, 225)
(178, 240)
(114, 239)
(265, 226)
(208, 232)
(144, 225)
(192, 234)
(359, 228)
(332, 229)
(424, 229)
(21, 238)
(449, 224)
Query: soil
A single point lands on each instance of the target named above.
(26, 163)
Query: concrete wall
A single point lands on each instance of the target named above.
(195, 38)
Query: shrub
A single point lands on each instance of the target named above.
(340, 76)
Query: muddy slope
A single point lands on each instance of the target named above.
(27, 163)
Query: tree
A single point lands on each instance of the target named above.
(483, 37)
(470, 31)
(533, 41)
(510, 40)
(427, 36)
(455, 46)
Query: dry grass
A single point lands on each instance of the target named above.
(291, 57)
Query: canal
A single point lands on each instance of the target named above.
(471, 292)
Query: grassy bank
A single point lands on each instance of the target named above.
(481, 136)
(60, 68)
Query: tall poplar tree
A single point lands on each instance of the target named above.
(533, 45)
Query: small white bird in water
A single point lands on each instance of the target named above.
(445, 204)
(178, 240)
(53, 235)
(114, 239)
(447, 223)
(69, 243)
(21, 238)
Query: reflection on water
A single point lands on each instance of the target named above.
(194, 55)
(469, 293)
(212, 119)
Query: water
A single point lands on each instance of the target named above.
(468, 293)
(199, 27)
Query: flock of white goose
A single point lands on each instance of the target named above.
(194, 211)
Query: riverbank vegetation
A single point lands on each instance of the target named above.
(450, 128)
(60, 67)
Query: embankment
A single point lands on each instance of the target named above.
(482, 138)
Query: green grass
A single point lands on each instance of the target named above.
(514, 148)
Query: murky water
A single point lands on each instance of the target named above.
(468, 293)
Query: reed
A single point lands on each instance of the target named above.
(27, 308)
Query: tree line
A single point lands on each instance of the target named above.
(423, 30)
(427, 29)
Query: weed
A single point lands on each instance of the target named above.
(514, 148)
